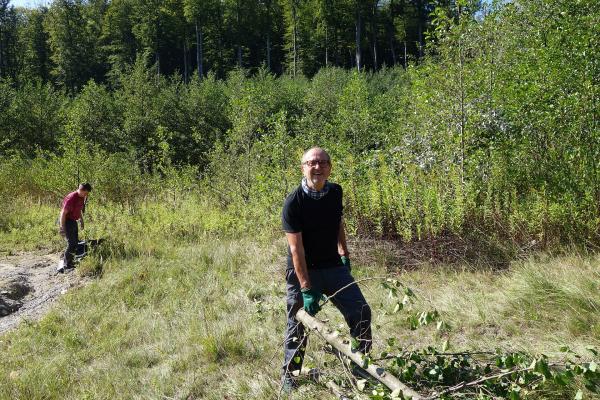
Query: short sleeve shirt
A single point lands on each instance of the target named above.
(319, 223)
(73, 205)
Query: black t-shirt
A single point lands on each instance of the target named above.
(319, 222)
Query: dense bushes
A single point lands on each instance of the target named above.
(495, 133)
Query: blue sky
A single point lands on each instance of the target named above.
(28, 3)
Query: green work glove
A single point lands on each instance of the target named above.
(346, 262)
(311, 299)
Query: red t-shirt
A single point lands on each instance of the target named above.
(73, 205)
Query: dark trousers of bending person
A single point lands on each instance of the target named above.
(349, 301)
(72, 238)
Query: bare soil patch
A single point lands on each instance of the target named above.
(29, 284)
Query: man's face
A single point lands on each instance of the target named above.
(316, 167)
(83, 193)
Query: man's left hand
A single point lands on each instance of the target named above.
(311, 298)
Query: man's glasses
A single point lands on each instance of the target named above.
(313, 163)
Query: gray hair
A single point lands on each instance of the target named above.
(315, 148)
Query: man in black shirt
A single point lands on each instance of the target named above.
(318, 260)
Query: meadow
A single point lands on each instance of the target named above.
(177, 310)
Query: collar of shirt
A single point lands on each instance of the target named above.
(315, 194)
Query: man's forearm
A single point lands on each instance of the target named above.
(343, 249)
(63, 219)
(342, 244)
(300, 268)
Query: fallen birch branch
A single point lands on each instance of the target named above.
(356, 356)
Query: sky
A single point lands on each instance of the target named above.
(28, 3)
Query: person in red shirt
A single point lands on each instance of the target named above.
(71, 212)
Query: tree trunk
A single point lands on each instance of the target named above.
(199, 60)
(269, 23)
(357, 357)
(157, 63)
(420, 24)
(239, 45)
(268, 51)
(335, 48)
(391, 32)
(463, 120)
(185, 63)
(326, 46)
(295, 38)
(157, 44)
(374, 34)
(358, 28)
(1, 52)
(219, 62)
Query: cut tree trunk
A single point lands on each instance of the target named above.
(357, 357)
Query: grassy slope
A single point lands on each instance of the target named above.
(180, 313)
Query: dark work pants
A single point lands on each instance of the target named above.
(72, 236)
(350, 302)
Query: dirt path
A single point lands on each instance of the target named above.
(29, 285)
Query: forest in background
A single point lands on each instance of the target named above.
(493, 133)
(70, 42)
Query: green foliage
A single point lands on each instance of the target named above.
(119, 44)
(500, 375)
(31, 118)
(9, 43)
(72, 43)
(35, 51)
(476, 374)
(93, 117)
(492, 137)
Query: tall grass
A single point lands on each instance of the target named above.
(181, 311)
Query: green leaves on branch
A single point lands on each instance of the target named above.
(482, 375)
(397, 291)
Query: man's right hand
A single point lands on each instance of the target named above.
(62, 232)
(311, 299)
(346, 262)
